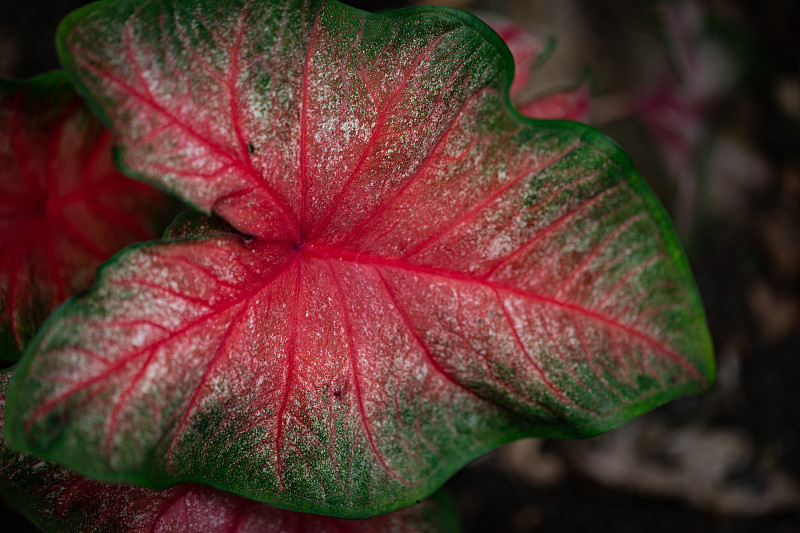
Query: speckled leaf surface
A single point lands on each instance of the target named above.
(57, 499)
(64, 208)
(417, 273)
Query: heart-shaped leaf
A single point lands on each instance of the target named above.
(57, 499)
(421, 274)
(64, 208)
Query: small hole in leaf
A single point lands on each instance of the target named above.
(251, 148)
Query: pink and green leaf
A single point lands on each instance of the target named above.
(64, 208)
(58, 499)
(417, 272)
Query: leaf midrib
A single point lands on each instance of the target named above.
(330, 254)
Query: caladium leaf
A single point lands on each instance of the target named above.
(58, 499)
(64, 208)
(418, 273)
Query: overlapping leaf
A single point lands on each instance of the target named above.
(568, 104)
(58, 499)
(417, 273)
(529, 50)
(64, 208)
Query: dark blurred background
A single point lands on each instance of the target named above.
(705, 97)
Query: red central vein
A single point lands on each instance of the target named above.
(331, 254)
(357, 382)
(303, 155)
(289, 378)
(382, 116)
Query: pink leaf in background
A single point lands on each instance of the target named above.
(528, 50)
(64, 208)
(570, 104)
